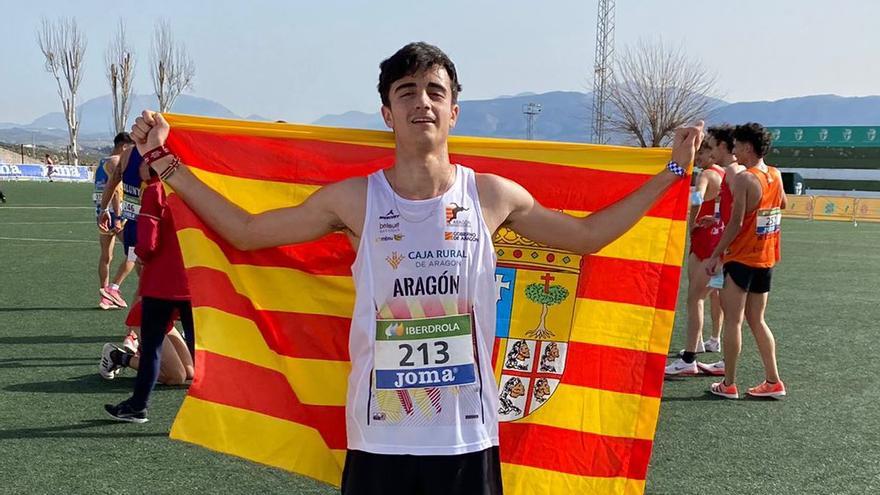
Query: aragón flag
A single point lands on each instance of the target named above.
(581, 340)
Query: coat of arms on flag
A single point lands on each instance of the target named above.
(536, 288)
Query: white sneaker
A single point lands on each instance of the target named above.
(712, 345)
(700, 348)
(681, 368)
(106, 368)
(714, 369)
(130, 343)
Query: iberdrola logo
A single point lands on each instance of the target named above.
(394, 330)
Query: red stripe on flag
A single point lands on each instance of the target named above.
(628, 281)
(614, 369)
(330, 255)
(323, 162)
(244, 385)
(297, 335)
(279, 159)
(574, 452)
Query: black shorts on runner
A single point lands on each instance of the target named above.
(476, 473)
(748, 278)
(129, 235)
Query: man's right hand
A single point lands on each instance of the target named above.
(104, 221)
(706, 221)
(149, 131)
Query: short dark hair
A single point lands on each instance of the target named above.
(756, 135)
(122, 138)
(722, 134)
(412, 59)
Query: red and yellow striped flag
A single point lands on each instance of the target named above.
(579, 406)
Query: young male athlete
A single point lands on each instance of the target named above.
(704, 202)
(404, 209)
(110, 296)
(750, 249)
(132, 174)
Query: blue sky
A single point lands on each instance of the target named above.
(297, 60)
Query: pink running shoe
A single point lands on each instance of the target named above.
(131, 343)
(113, 295)
(105, 303)
(773, 390)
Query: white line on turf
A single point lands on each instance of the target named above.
(35, 207)
(32, 239)
(46, 223)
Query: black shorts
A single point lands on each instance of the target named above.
(748, 278)
(129, 235)
(476, 473)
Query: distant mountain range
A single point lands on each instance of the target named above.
(565, 116)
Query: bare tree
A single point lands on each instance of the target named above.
(64, 46)
(171, 68)
(120, 71)
(656, 88)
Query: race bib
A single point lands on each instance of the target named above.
(96, 197)
(424, 353)
(768, 221)
(130, 210)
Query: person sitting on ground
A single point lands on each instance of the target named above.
(176, 364)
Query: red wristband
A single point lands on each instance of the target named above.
(155, 154)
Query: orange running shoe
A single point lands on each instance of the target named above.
(765, 389)
(722, 390)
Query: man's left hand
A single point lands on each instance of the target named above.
(685, 144)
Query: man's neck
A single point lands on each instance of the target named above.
(421, 175)
(758, 162)
(727, 161)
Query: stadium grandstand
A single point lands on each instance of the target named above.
(841, 161)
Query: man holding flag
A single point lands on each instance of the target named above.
(426, 326)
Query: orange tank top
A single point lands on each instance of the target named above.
(757, 244)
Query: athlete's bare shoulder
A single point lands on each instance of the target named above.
(347, 199)
(499, 198)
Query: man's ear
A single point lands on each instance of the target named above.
(454, 116)
(387, 117)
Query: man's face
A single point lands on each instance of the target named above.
(743, 151)
(704, 157)
(716, 151)
(421, 109)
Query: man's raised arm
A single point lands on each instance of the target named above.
(592, 233)
(311, 220)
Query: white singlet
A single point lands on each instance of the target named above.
(423, 325)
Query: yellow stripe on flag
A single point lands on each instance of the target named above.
(536, 481)
(648, 240)
(282, 444)
(621, 325)
(239, 338)
(254, 195)
(598, 411)
(272, 288)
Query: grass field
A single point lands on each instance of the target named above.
(54, 438)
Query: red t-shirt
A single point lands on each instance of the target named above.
(163, 275)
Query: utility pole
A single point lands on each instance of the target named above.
(531, 111)
(602, 68)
